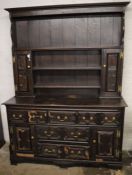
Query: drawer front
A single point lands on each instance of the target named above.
(62, 117)
(63, 133)
(17, 116)
(63, 151)
(37, 116)
(49, 150)
(77, 152)
(99, 118)
(49, 132)
(77, 134)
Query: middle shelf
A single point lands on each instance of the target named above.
(38, 68)
(67, 79)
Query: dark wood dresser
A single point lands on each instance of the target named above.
(68, 62)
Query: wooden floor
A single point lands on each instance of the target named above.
(34, 169)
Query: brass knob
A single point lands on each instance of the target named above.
(79, 133)
(94, 141)
(14, 115)
(46, 150)
(53, 150)
(72, 133)
(41, 116)
(79, 152)
(45, 132)
(104, 65)
(29, 56)
(58, 117)
(20, 115)
(113, 118)
(84, 117)
(28, 67)
(91, 118)
(106, 118)
(65, 117)
(32, 137)
(72, 151)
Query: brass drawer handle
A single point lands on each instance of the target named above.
(76, 136)
(65, 117)
(84, 118)
(31, 115)
(32, 137)
(94, 141)
(50, 133)
(79, 133)
(79, 152)
(114, 118)
(62, 120)
(46, 150)
(41, 116)
(72, 152)
(13, 115)
(20, 115)
(91, 118)
(58, 117)
(106, 118)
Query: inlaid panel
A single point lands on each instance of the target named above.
(23, 139)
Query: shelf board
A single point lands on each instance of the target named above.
(66, 68)
(41, 86)
(68, 48)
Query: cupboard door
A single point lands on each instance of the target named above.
(23, 73)
(106, 144)
(23, 138)
(23, 141)
(111, 72)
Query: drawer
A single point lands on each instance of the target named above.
(17, 116)
(49, 132)
(62, 117)
(63, 133)
(37, 116)
(77, 152)
(99, 118)
(77, 134)
(49, 150)
(63, 151)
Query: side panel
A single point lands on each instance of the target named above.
(23, 73)
(111, 72)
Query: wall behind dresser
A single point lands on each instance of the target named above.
(6, 71)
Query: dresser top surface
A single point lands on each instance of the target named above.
(66, 102)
